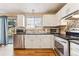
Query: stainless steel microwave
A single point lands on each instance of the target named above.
(54, 30)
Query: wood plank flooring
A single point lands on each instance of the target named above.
(34, 52)
(9, 51)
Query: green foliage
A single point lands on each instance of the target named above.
(11, 22)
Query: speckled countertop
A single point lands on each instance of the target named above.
(68, 38)
(65, 37)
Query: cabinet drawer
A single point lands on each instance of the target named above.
(74, 45)
(74, 49)
(74, 53)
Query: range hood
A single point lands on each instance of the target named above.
(72, 16)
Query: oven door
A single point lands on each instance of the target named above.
(62, 47)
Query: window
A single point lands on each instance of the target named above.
(30, 22)
(38, 21)
(33, 22)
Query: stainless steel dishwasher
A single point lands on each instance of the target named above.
(19, 41)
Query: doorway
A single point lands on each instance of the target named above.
(11, 26)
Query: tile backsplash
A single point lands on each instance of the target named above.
(38, 30)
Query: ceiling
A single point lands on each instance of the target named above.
(28, 7)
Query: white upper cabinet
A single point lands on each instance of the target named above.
(49, 20)
(71, 7)
(21, 20)
(66, 10)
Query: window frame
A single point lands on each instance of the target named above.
(35, 26)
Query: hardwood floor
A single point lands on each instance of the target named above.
(34, 52)
(9, 51)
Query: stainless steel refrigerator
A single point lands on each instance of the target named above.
(3, 30)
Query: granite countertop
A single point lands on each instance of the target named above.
(66, 37)
(35, 34)
(40, 34)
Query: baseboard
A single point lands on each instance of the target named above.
(31, 48)
(19, 48)
(38, 48)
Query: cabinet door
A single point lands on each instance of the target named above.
(32, 41)
(49, 20)
(52, 41)
(45, 42)
(64, 11)
(20, 20)
(74, 49)
(68, 9)
(72, 7)
(36, 42)
(28, 41)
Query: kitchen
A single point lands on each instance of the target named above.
(53, 28)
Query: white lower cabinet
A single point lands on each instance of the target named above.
(36, 42)
(74, 49)
(28, 41)
(32, 41)
(39, 41)
(45, 41)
